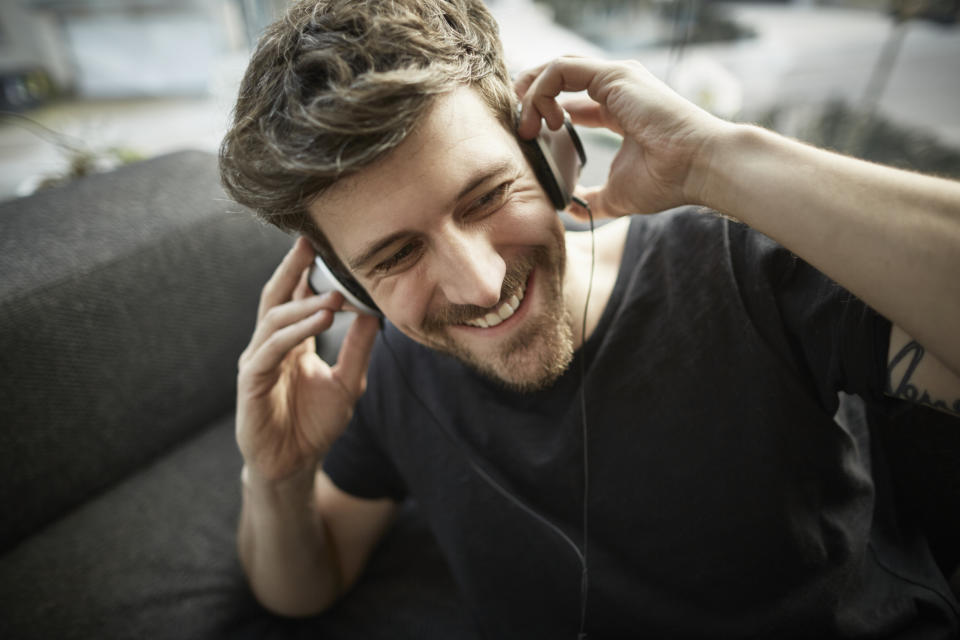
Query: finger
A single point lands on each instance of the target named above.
(268, 356)
(525, 79)
(586, 112)
(354, 357)
(563, 74)
(279, 288)
(582, 110)
(530, 116)
(303, 290)
(284, 315)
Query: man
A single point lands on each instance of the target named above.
(660, 459)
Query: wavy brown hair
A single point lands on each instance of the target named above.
(336, 84)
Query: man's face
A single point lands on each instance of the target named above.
(456, 242)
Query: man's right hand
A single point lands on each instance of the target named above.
(291, 405)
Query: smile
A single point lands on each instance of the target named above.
(504, 312)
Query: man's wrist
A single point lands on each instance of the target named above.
(712, 180)
(294, 485)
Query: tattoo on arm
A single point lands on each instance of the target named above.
(912, 353)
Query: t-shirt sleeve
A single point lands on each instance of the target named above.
(838, 342)
(357, 462)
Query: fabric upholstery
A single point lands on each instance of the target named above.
(125, 300)
(155, 558)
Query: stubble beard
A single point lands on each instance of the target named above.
(538, 354)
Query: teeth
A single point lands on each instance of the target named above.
(506, 310)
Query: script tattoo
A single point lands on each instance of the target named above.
(913, 353)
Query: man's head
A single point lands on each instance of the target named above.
(455, 240)
(337, 84)
(383, 130)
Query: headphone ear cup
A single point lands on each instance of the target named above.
(557, 158)
(352, 286)
(544, 172)
(327, 275)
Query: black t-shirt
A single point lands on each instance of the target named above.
(724, 499)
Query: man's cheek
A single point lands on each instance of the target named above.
(402, 301)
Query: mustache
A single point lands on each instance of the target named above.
(513, 281)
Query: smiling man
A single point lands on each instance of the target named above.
(453, 236)
(667, 465)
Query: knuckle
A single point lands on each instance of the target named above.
(275, 344)
(269, 344)
(272, 316)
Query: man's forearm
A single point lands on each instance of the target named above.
(889, 236)
(284, 547)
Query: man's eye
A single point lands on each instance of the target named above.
(398, 258)
(491, 199)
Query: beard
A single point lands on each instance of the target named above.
(536, 355)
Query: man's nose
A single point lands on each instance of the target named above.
(469, 269)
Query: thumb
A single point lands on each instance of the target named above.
(598, 201)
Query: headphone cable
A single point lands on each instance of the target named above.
(480, 471)
(585, 576)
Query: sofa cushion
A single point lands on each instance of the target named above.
(155, 557)
(125, 301)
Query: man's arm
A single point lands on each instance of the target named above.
(303, 542)
(889, 236)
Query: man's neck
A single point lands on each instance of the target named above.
(609, 240)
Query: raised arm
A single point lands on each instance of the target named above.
(889, 236)
(302, 542)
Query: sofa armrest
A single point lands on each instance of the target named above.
(125, 301)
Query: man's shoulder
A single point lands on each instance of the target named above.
(702, 232)
(680, 225)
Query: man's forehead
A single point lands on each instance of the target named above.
(358, 225)
(459, 141)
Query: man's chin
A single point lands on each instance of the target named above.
(531, 361)
(534, 377)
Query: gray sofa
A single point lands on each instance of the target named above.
(125, 300)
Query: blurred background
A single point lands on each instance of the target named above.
(86, 85)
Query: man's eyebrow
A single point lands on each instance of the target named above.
(483, 175)
(373, 249)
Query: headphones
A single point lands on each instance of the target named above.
(557, 158)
